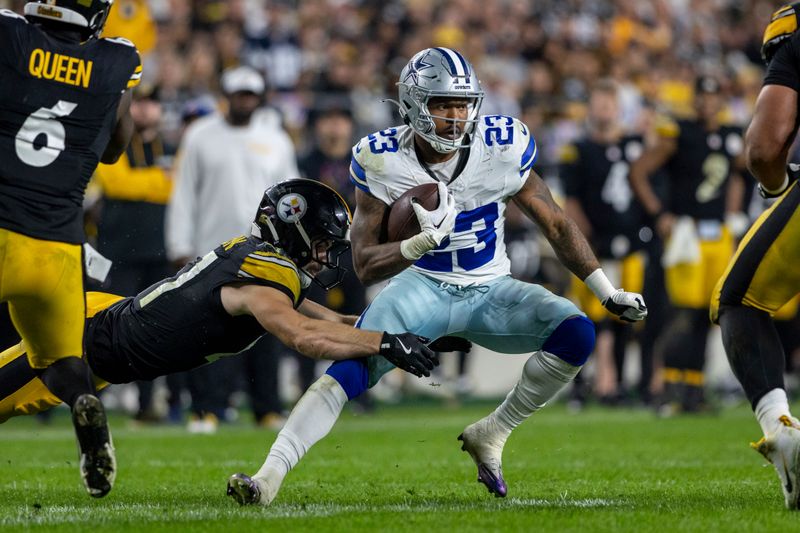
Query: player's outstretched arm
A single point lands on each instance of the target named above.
(321, 339)
(770, 136)
(320, 312)
(573, 249)
(122, 133)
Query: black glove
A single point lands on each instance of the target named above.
(450, 343)
(409, 352)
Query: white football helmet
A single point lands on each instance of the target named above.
(437, 72)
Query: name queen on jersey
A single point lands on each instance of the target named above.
(502, 153)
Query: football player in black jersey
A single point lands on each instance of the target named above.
(63, 108)
(764, 274)
(703, 160)
(222, 302)
(599, 199)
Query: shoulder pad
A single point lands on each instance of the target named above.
(357, 173)
(119, 40)
(371, 155)
(509, 139)
(782, 25)
(269, 266)
(135, 61)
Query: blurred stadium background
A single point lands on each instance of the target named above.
(537, 60)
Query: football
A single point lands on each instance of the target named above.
(402, 222)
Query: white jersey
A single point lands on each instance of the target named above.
(385, 165)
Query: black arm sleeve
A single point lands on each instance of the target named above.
(784, 69)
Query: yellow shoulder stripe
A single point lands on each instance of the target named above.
(785, 25)
(227, 245)
(274, 270)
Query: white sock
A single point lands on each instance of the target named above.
(543, 376)
(311, 419)
(770, 408)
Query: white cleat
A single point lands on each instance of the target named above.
(484, 442)
(248, 490)
(782, 449)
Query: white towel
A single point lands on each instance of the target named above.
(683, 245)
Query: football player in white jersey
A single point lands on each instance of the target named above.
(453, 278)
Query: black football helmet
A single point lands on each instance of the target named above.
(89, 15)
(308, 221)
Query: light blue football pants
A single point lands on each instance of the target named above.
(504, 315)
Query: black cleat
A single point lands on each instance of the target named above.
(97, 462)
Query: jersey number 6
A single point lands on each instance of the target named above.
(43, 122)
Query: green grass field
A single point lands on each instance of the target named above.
(402, 470)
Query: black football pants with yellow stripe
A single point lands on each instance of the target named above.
(762, 277)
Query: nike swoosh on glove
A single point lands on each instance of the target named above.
(434, 225)
(440, 222)
(409, 352)
(629, 306)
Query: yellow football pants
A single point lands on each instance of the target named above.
(765, 271)
(42, 281)
(690, 285)
(21, 392)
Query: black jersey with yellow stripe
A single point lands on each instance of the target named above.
(180, 323)
(58, 104)
(700, 169)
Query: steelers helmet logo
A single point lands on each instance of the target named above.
(291, 208)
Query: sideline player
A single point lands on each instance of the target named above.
(764, 273)
(594, 170)
(703, 159)
(221, 303)
(64, 107)
(452, 278)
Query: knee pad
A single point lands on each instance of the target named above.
(352, 375)
(572, 341)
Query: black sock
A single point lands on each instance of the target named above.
(754, 350)
(68, 378)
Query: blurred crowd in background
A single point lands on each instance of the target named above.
(326, 67)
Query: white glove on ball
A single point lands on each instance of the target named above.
(435, 225)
